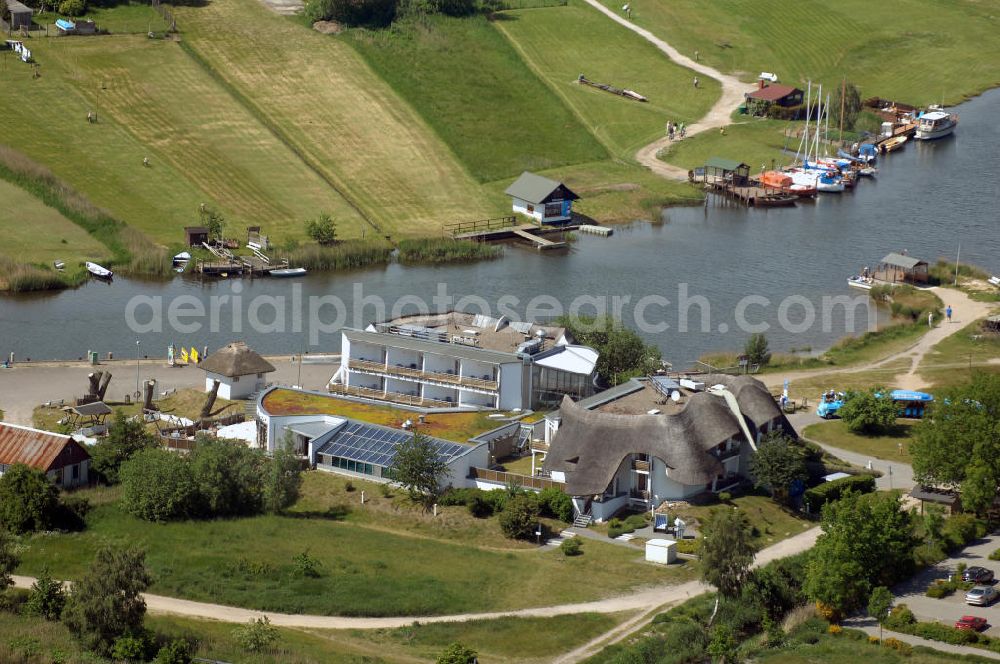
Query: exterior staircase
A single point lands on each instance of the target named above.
(583, 521)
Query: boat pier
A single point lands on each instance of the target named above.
(508, 228)
(230, 265)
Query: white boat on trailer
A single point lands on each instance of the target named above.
(98, 271)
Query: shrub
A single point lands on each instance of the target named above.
(256, 635)
(688, 546)
(46, 598)
(177, 651)
(479, 507)
(636, 521)
(940, 589)
(28, 500)
(158, 485)
(874, 640)
(834, 629)
(725, 497)
(454, 497)
(961, 529)
(385, 489)
(995, 555)
(306, 565)
(900, 618)
(130, 648)
(818, 496)
(898, 645)
(72, 7)
(371, 13)
(519, 518)
(572, 547)
(615, 531)
(456, 653)
(809, 631)
(556, 503)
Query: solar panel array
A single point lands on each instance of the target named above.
(377, 445)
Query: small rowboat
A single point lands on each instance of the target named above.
(864, 283)
(893, 144)
(288, 272)
(98, 271)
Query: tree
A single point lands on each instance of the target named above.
(229, 477)
(933, 523)
(958, 444)
(851, 103)
(456, 653)
(879, 604)
(368, 13)
(322, 229)
(213, 220)
(46, 598)
(622, 352)
(722, 644)
(867, 540)
(519, 516)
(158, 485)
(556, 503)
(777, 464)
(726, 551)
(757, 351)
(9, 559)
(256, 635)
(284, 477)
(73, 7)
(4, 15)
(870, 412)
(28, 500)
(126, 437)
(107, 602)
(419, 468)
(177, 651)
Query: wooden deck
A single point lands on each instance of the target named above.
(751, 195)
(539, 242)
(530, 232)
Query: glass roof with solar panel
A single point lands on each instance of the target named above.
(377, 445)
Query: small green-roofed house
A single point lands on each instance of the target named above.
(545, 200)
(727, 170)
(900, 268)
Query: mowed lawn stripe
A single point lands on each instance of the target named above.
(326, 101)
(906, 50)
(626, 60)
(188, 120)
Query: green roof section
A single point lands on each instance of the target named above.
(724, 164)
(536, 188)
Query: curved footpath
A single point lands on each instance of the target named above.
(643, 599)
(733, 90)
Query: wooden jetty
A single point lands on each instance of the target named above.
(507, 228)
(230, 265)
(752, 194)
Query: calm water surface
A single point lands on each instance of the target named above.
(927, 199)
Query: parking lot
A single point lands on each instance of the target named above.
(950, 609)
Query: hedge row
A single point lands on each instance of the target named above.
(822, 494)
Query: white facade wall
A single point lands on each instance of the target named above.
(359, 350)
(403, 357)
(528, 209)
(238, 387)
(435, 363)
(512, 377)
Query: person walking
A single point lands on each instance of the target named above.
(682, 130)
(930, 319)
(696, 81)
(947, 312)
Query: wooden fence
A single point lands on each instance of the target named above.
(498, 477)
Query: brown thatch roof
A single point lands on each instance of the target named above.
(591, 445)
(236, 359)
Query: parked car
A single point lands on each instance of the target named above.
(981, 595)
(978, 574)
(975, 623)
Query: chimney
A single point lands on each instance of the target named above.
(760, 84)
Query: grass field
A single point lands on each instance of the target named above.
(41, 234)
(451, 426)
(906, 50)
(323, 100)
(754, 142)
(123, 18)
(952, 361)
(772, 522)
(365, 570)
(472, 87)
(886, 446)
(622, 125)
(843, 650)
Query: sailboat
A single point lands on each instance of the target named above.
(812, 173)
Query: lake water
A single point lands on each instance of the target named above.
(927, 199)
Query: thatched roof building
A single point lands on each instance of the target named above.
(236, 359)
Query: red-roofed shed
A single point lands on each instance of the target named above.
(62, 458)
(775, 93)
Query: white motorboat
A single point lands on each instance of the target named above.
(935, 124)
(288, 272)
(98, 271)
(59, 265)
(858, 281)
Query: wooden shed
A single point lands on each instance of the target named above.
(20, 15)
(542, 199)
(900, 269)
(730, 171)
(195, 235)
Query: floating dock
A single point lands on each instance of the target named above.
(752, 195)
(593, 229)
(540, 243)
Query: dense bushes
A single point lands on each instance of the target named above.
(446, 250)
(28, 500)
(551, 502)
(631, 523)
(217, 479)
(519, 517)
(822, 494)
(369, 13)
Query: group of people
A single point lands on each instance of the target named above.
(678, 130)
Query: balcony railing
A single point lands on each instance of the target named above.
(539, 446)
(498, 477)
(728, 454)
(392, 397)
(640, 465)
(418, 374)
(638, 494)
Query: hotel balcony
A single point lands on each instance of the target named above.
(638, 494)
(539, 446)
(390, 397)
(640, 465)
(449, 379)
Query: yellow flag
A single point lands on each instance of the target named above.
(184, 356)
(194, 355)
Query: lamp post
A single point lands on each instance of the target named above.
(137, 393)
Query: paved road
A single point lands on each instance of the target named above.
(733, 90)
(641, 600)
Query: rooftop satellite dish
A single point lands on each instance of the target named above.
(675, 396)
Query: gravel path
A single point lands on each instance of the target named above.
(733, 90)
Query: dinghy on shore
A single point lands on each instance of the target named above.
(98, 271)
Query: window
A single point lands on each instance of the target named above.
(531, 208)
(236, 379)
